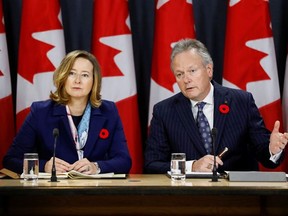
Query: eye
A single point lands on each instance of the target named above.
(192, 71)
(179, 75)
(87, 75)
(71, 73)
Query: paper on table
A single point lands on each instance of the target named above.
(76, 175)
(43, 175)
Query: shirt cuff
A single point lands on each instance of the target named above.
(275, 158)
(189, 165)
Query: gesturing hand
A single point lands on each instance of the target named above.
(278, 140)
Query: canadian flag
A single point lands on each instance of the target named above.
(41, 49)
(173, 21)
(249, 59)
(7, 129)
(112, 46)
(285, 97)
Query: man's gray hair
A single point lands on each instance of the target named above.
(184, 45)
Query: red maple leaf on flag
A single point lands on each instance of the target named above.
(242, 64)
(104, 27)
(6, 100)
(41, 48)
(174, 21)
(32, 53)
(112, 47)
(250, 62)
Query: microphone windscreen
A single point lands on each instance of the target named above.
(55, 132)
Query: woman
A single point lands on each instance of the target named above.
(91, 137)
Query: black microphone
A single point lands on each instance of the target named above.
(53, 172)
(214, 172)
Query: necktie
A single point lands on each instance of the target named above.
(204, 128)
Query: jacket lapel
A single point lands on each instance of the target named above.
(221, 97)
(184, 111)
(60, 111)
(97, 121)
(96, 124)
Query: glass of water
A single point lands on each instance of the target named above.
(30, 167)
(178, 168)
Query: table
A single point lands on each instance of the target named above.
(142, 195)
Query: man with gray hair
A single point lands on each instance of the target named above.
(183, 122)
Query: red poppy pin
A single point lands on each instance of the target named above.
(224, 108)
(104, 133)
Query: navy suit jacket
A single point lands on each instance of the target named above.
(36, 135)
(242, 130)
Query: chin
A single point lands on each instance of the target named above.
(190, 95)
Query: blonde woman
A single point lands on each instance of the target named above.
(91, 138)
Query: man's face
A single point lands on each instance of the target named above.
(193, 78)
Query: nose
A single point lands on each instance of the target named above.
(77, 78)
(186, 78)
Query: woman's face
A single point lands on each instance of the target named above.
(80, 79)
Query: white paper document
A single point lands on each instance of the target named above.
(77, 175)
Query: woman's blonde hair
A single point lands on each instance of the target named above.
(62, 72)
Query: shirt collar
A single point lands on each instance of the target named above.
(208, 99)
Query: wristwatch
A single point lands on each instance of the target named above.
(98, 170)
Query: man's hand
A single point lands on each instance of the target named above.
(278, 140)
(205, 164)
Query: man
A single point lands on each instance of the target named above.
(233, 113)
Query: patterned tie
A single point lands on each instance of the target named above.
(204, 128)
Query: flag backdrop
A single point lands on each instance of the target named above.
(6, 101)
(173, 21)
(41, 49)
(285, 96)
(250, 62)
(112, 46)
(35, 43)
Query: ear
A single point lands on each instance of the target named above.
(209, 68)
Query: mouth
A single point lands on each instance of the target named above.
(189, 88)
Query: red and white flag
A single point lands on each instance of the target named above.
(285, 97)
(249, 59)
(7, 129)
(41, 50)
(174, 20)
(112, 46)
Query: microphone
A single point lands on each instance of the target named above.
(53, 172)
(214, 172)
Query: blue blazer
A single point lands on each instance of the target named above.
(242, 130)
(36, 135)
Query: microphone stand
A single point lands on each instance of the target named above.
(214, 171)
(53, 172)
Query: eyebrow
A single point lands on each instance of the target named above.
(190, 67)
(81, 71)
